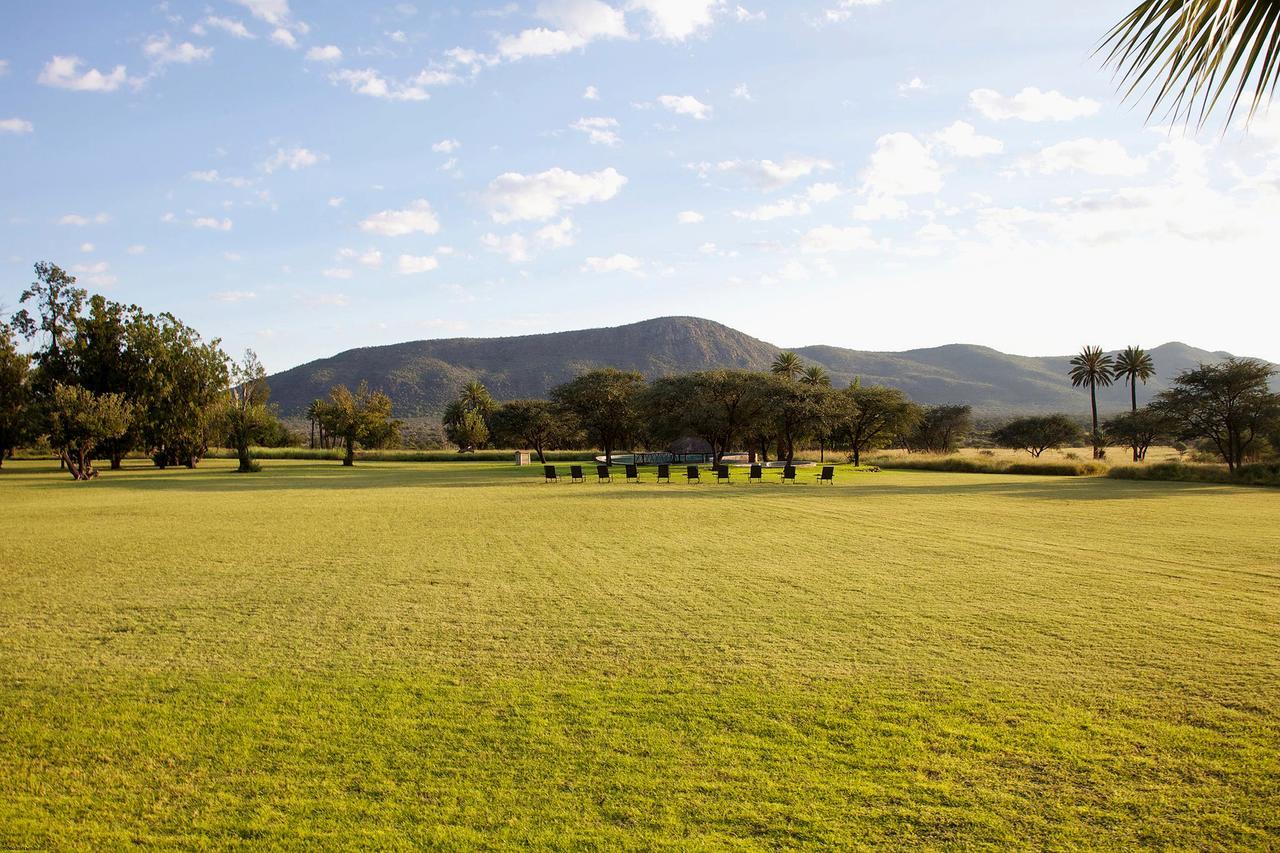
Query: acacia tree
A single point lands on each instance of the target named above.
(15, 394)
(940, 429)
(606, 404)
(1228, 404)
(1037, 434)
(718, 406)
(877, 414)
(796, 411)
(1139, 430)
(362, 418)
(1093, 368)
(531, 423)
(80, 420)
(244, 415)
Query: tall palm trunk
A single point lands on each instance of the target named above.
(1093, 399)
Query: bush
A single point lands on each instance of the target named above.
(983, 465)
(1267, 474)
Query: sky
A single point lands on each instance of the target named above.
(301, 177)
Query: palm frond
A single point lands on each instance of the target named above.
(1192, 53)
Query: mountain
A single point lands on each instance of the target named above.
(422, 376)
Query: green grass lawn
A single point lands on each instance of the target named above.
(457, 655)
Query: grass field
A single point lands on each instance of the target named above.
(457, 655)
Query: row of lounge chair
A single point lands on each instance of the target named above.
(693, 474)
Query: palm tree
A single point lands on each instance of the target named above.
(815, 375)
(1134, 365)
(477, 398)
(1192, 52)
(787, 365)
(1093, 368)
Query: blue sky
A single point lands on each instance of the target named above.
(303, 177)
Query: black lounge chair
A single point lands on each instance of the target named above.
(722, 474)
(604, 474)
(664, 473)
(757, 474)
(576, 475)
(789, 473)
(692, 474)
(633, 474)
(549, 471)
(827, 476)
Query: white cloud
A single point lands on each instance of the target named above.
(520, 249)
(516, 247)
(901, 166)
(274, 12)
(742, 92)
(446, 146)
(591, 94)
(588, 19)
(340, 273)
(830, 238)
(234, 257)
(779, 210)
(1093, 156)
(77, 219)
(961, 140)
(293, 159)
(4, 67)
(283, 37)
(336, 201)
(212, 223)
(418, 218)
(557, 235)
(823, 193)
(398, 36)
(677, 20)
(371, 258)
(86, 247)
(1031, 104)
(513, 197)
(747, 16)
(613, 263)
(766, 173)
(95, 274)
(686, 105)
(599, 130)
(844, 10)
(913, 86)
(690, 217)
(935, 232)
(228, 25)
(416, 264)
(137, 249)
(234, 296)
(16, 125)
(328, 53)
(63, 72)
(881, 207)
(371, 83)
(162, 51)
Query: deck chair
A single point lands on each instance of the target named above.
(722, 474)
(576, 475)
(664, 473)
(757, 474)
(603, 474)
(549, 471)
(633, 473)
(827, 476)
(692, 474)
(789, 473)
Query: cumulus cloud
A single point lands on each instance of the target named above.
(779, 210)
(591, 94)
(284, 38)
(371, 258)
(686, 105)
(1092, 156)
(234, 296)
(446, 146)
(63, 72)
(230, 26)
(513, 197)
(374, 85)
(416, 264)
(16, 125)
(689, 217)
(843, 11)
(677, 20)
(274, 12)
(901, 166)
(913, 86)
(613, 263)
(417, 218)
(161, 50)
(600, 130)
(328, 53)
(576, 24)
(78, 220)
(1031, 104)
(962, 140)
(212, 223)
(520, 249)
(293, 159)
(767, 174)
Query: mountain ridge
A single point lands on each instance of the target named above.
(422, 376)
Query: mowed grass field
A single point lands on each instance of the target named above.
(456, 655)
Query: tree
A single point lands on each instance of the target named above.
(605, 403)
(466, 419)
(717, 406)
(877, 414)
(362, 418)
(80, 420)
(1228, 404)
(815, 375)
(57, 303)
(796, 411)
(787, 365)
(1093, 368)
(1037, 434)
(244, 416)
(1192, 52)
(941, 429)
(1139, 430)
(531, 423)
(15, 394)
(1134, 365)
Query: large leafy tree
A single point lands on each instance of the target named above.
(1037, 434)
(1197, 55)
(797, 411)
(1139, 430)
(718, 406)
(15, 394)
(941, 429)
(360, 418)
(878, 413)
(1092, 369)
(244, 416)
(107, 360)
(466, 419)
(534, 424)
(54, 304)
(1229, 404)
(185, 382)
(80, 420)
(606, 404)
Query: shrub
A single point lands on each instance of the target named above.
(973, 465)
(1267, 474)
